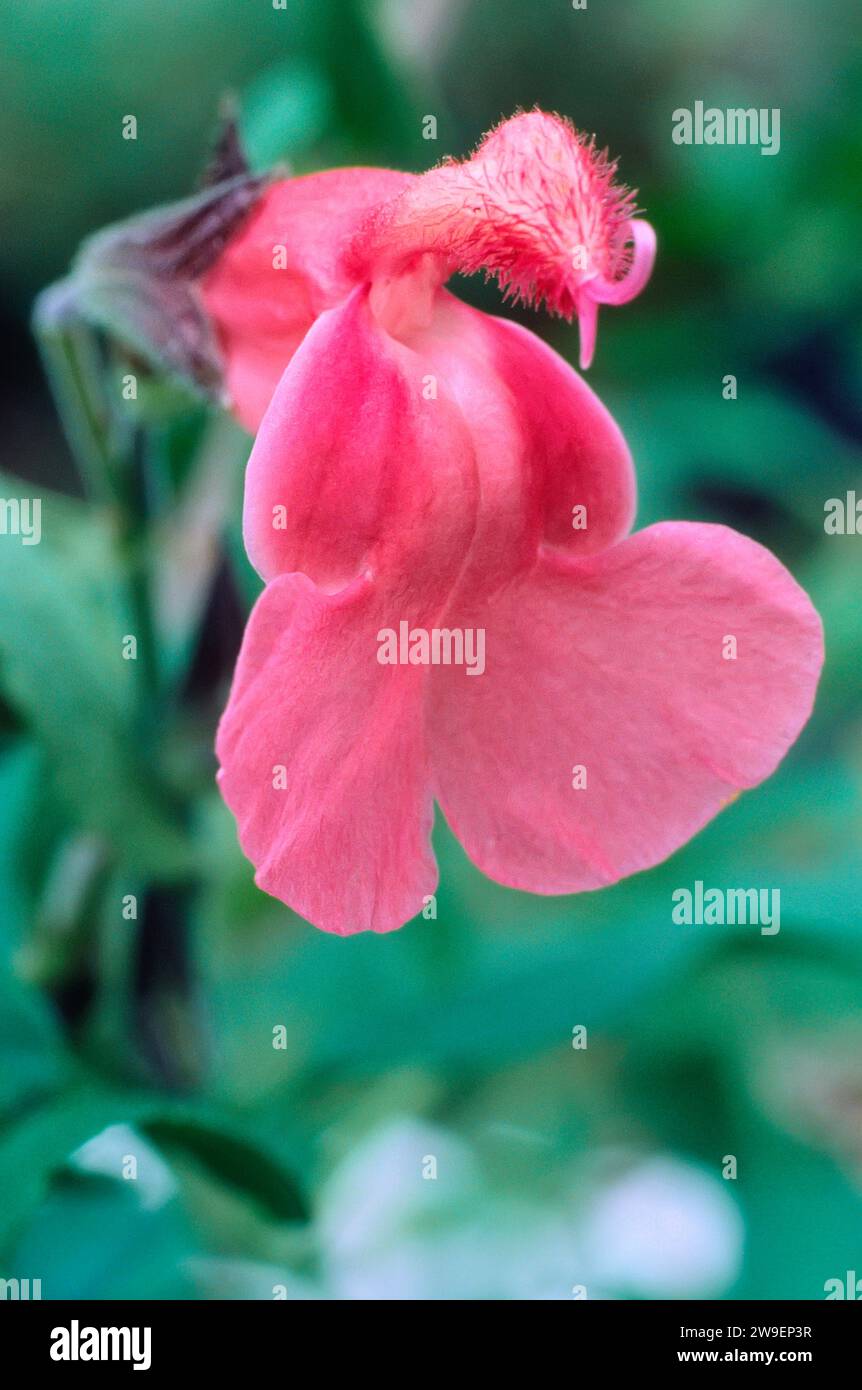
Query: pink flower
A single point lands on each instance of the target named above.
(424, 476)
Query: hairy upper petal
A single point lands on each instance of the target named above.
(620, 664)
(354, 468)
(323, 761)
(283, 269)
(537, 206)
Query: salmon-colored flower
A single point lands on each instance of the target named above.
(425, 476)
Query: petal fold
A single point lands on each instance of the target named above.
(574, 450)
(553, 467)
(354, 468)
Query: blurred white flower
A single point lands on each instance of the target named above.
(379, 1192)
(664, 1230)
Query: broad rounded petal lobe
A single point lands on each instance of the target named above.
(620, 664)
(323, 762)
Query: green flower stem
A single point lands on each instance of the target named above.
(70, 352)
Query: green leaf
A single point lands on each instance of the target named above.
(36, 1149)
(62, 626)
(285, 110)
(92, 1239)
(230, 1155)
(32, 1057)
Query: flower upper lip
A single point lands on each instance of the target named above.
(533, 190)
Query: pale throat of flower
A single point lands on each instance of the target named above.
(402, 300)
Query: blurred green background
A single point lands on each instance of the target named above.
(304, 1169)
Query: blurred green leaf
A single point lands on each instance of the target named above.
(285, 111)
(37, 1148)
(62, 627)
(235, 1159)
(91, 1239)
(33, 1061)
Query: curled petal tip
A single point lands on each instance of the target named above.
(643, 258)
(600, 290)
